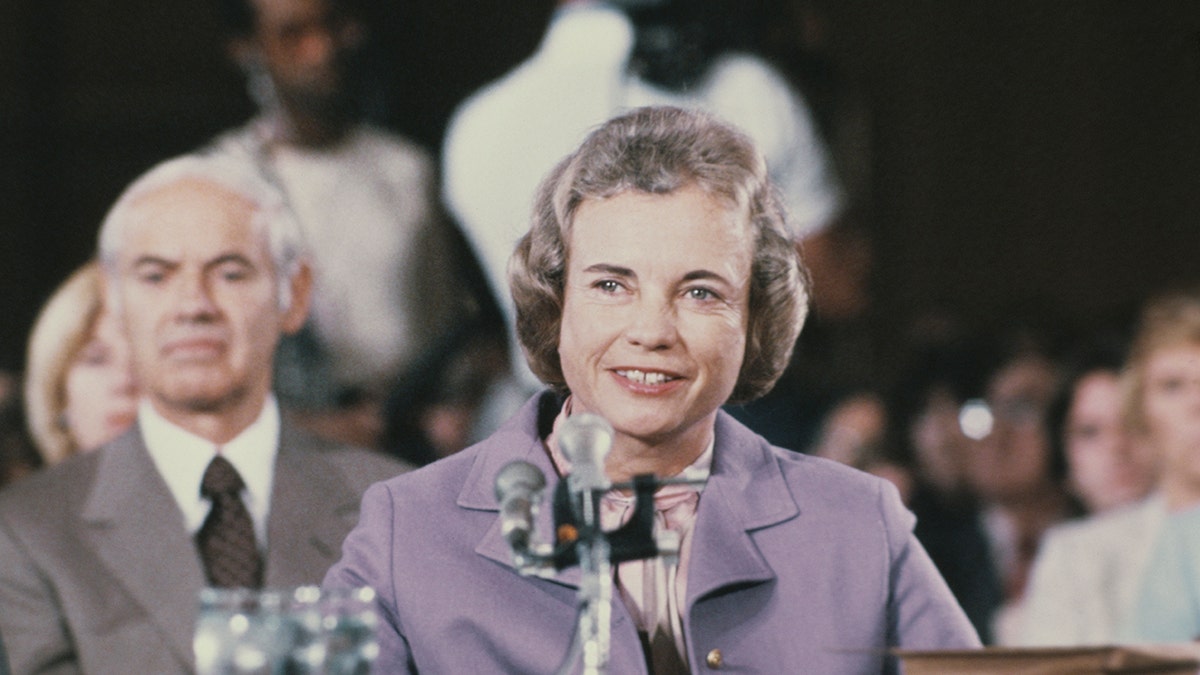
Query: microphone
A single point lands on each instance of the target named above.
(519, 488)
(585, 440)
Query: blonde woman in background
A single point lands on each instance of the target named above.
(1120, 576)
(1167, 599)
(79, 388)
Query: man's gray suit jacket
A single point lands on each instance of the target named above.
(98, 574)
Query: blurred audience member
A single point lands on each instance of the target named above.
(836, 358)
(938, 446)
(1087, 571)
(436, 406)
(393, 278)
(598, 59)
(17, 454)
(1012, 467)
(855, 433)
(79, 385)
(941, 372)
(102, 556)
(1163, 387)
(1107, 465)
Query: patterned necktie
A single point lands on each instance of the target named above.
(226, 540)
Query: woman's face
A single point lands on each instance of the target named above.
(1013, 461)
(655, 311)
(101, 397)
(1108, 467)
(940, 445)
(1171, 409)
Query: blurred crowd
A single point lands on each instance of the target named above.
(1051, 470)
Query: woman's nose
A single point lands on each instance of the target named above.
(652, 324)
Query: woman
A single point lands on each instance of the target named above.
(1166, 607)
(1088, 579)
(79, 391)
(657, 283)
(1107, 466)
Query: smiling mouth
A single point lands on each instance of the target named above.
(643, 377)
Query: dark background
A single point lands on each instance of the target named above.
(1007, 154)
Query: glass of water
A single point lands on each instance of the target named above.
(242, 632)
(300, 631)
(349, 623)
(307, 653)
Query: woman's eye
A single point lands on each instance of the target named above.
(608, 286)
(701, 294)
(93, 355)
(1170, 385)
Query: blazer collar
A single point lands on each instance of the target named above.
(746, 492)
(518, 439)
(128, 511)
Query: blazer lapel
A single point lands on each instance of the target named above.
(136, 530)
(514, 442)
(312, 511)
(745, 492)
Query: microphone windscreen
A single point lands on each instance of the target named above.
(518, 478)
(585, 439)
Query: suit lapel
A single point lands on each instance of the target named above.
(135, 528)
(518, 440)
(312, 511)
(746, 492)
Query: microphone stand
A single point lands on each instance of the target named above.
(581, 540)
(595, 599)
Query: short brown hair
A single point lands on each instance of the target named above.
(658, 150)
(1168, 320)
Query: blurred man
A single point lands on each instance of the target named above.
(101, 558)
(391, 274)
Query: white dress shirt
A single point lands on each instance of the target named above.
(182, 457)
(384, 287)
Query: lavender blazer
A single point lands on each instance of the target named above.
(798, 565)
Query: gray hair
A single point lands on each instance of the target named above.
(658, 150)
(272, 215)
